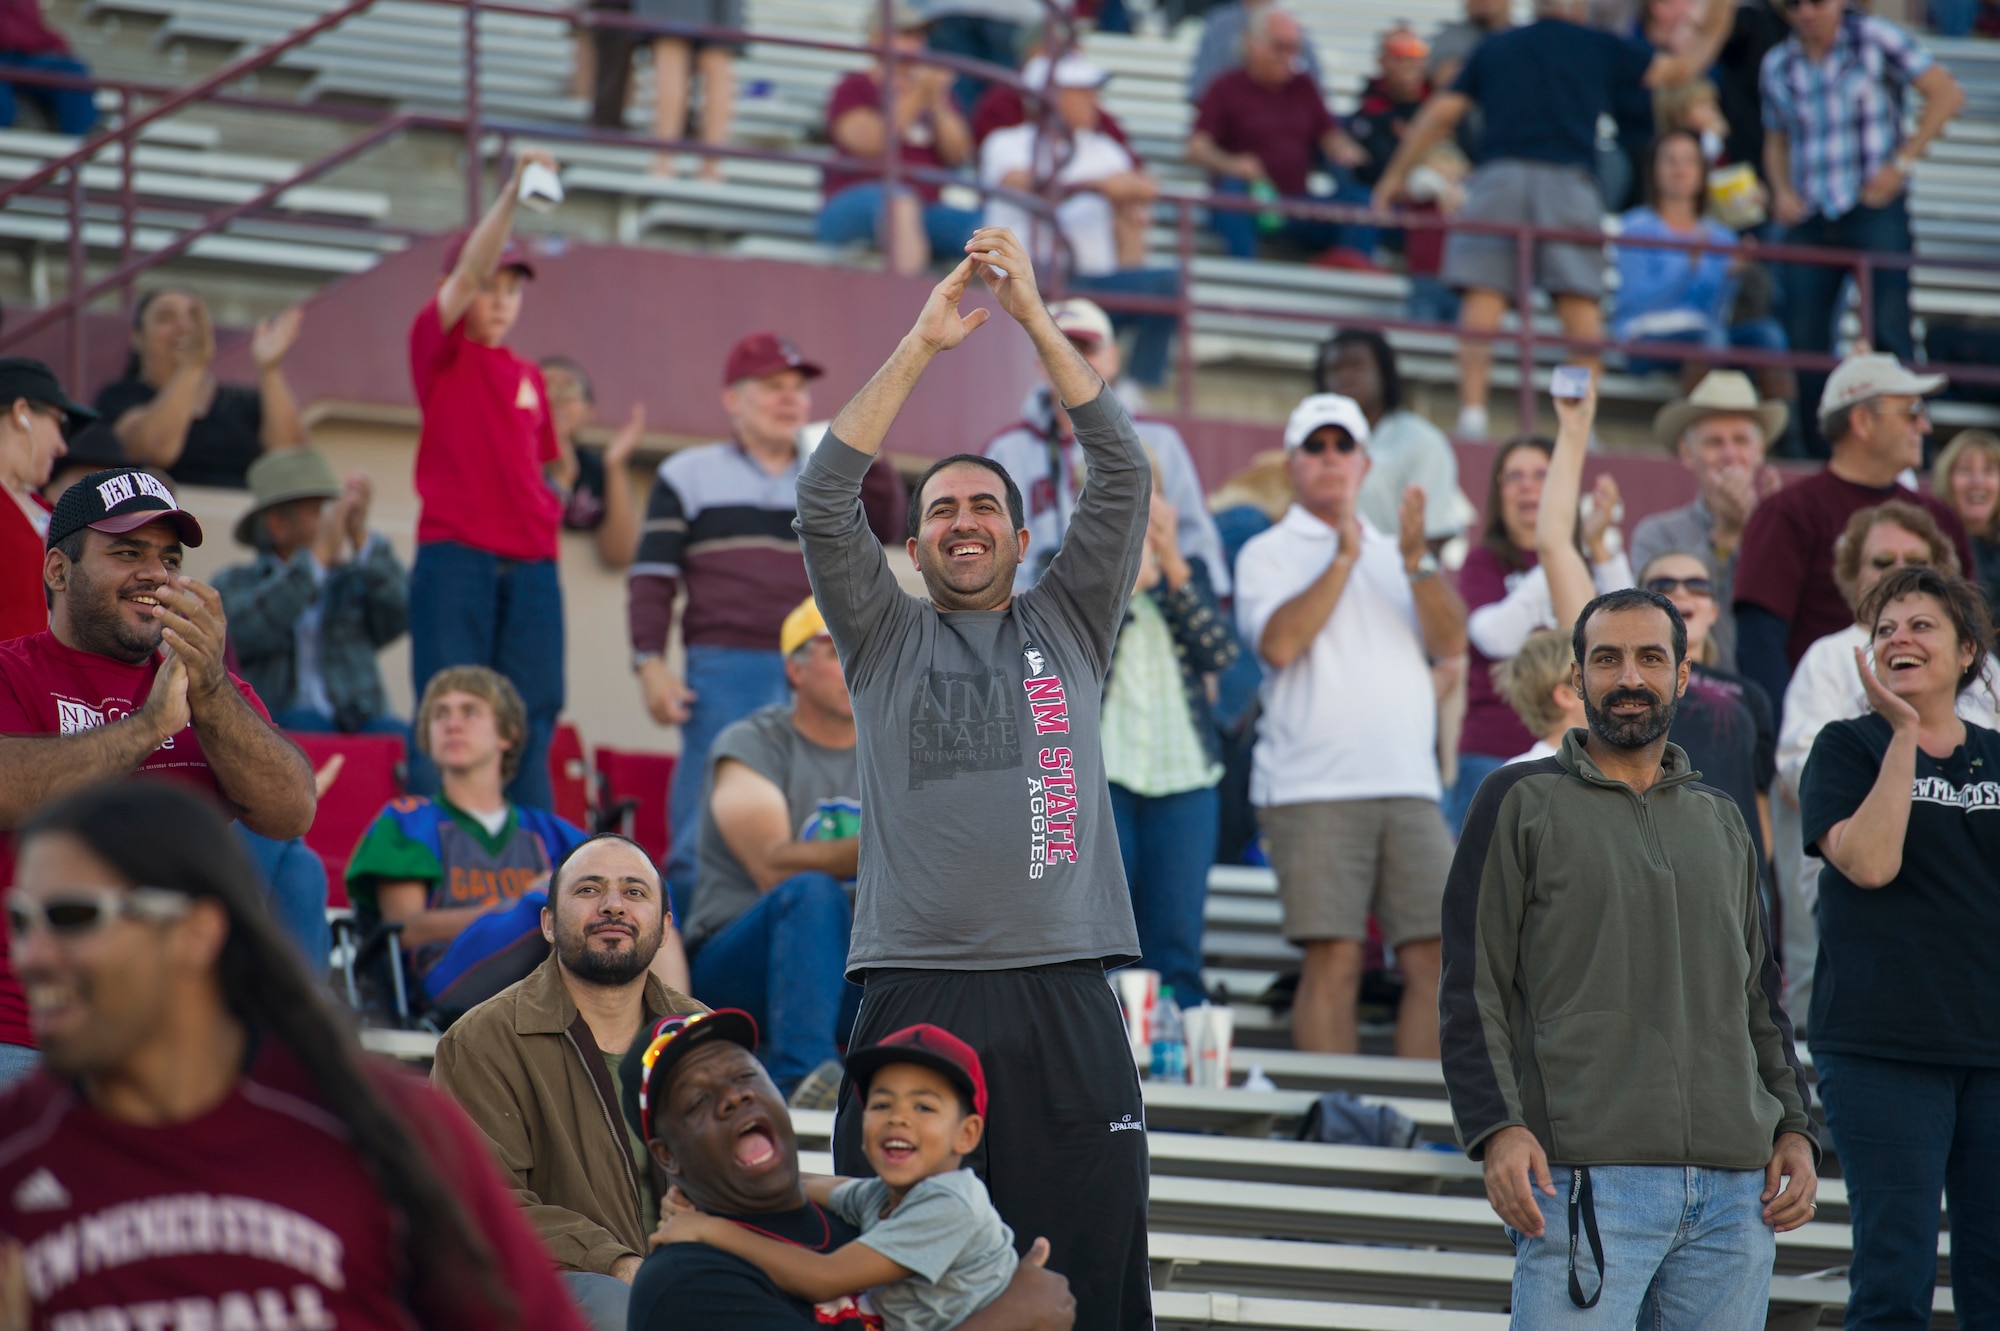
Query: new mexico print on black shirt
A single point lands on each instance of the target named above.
(994, 846)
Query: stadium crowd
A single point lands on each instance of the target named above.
(1752, 746)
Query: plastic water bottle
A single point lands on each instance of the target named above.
(1169, 1039)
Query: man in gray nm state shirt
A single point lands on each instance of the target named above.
(992, 895)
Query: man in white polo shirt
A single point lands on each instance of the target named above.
(1347, 620)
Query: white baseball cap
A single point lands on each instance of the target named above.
(1859, 378)
(1072, 71)
(1323, 409)
(1082, 320)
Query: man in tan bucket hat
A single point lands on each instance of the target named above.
(322, 597)
(1720, 432)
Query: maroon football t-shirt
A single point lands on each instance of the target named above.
(49, 689)
(255, 1215)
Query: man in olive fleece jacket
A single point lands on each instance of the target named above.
(1610, 1005)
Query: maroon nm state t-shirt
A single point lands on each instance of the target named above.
(1785, 563)
(256, 1215)
(1282, 126)
(49, 689)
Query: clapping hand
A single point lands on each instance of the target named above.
(273, 338)
(193, 626)
(618, 452)
(1898, 712)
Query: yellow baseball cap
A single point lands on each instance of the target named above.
(800, 627)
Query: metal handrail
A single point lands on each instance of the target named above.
(474, 125)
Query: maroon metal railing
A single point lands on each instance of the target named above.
(474, 124)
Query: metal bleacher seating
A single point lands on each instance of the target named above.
(411, 53)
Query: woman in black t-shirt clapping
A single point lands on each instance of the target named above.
(1904, 806)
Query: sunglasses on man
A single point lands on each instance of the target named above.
(1342, 442)
(77, 912)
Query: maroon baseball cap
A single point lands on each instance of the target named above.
(116, 500)
(928, 1046)
(766, 353)
(512, 255)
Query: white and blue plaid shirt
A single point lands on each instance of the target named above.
(1843, 115)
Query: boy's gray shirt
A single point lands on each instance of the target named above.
(957, 1249)
(993, 846)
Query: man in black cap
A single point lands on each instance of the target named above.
(718, 1131)
(36, 417)
(130, 678)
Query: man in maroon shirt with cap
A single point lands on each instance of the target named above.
(129, 678)
(720, 521)
(483, 588)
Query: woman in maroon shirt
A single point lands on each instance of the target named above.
(205, 1127)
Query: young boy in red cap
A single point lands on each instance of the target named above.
(483, 589)
(932, 1250)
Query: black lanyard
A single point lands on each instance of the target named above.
(1580, 1199)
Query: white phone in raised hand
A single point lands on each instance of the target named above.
(1570, 382)
(541, 188)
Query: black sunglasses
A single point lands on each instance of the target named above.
(1342, 443)
(1666, 586)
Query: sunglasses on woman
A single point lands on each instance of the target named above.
(77, 912)
(1668, 586)
(1341, 443)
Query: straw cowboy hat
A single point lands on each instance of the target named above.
(1720, 393)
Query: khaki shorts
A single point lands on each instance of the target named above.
(1339, 860)
(1538, 194)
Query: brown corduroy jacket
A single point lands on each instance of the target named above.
(524, 1065)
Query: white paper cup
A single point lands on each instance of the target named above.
(1211, 1032)
(1138, 994)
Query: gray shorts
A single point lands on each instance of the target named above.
(1339, 860)
(1531, 193)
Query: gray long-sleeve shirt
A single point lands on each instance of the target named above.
(988, 842)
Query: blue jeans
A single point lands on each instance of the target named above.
(990, 39)
(1683, 1247)
(784, 962)
(729, 683)
(601, 1299)
(1473, 768)
(295, 887)
(1431, 301)
(854, 216)
(73, 109)
(1168, 842)
(1756, 334)
(308, 721)
(1908, 1134)
(17, 1063)
(1152, 334)
(469, 607)
(1952, 18)
(1239, 233)
(1812, 291)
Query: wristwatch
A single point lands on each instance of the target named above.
(639, 660)
(1427, 567)
(1906, 163)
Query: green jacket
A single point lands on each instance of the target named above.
(1608, 979)
(526, 1069)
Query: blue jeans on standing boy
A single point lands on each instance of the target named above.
(1910, 1135)
(471, 607)
(784, 961)
(1168, 843)
(729, 683)
(1683, 1247)
(73, 109)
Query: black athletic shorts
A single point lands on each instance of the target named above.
(1064, 1155)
